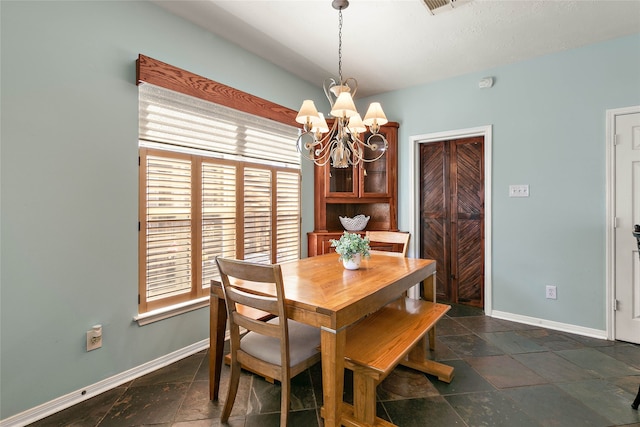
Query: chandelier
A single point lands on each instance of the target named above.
(343, 144)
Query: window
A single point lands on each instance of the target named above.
(214, 181)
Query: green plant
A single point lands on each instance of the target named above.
(350, 244)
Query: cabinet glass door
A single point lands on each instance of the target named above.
(375, 181)
(341, 182)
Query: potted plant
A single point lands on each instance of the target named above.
(351, 247)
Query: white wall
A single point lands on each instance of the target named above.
(548, 123)
(70, 186)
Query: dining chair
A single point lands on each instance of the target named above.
(279, 348)
(387, 241)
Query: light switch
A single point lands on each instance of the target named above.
(519, 190)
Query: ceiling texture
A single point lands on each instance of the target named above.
(394, 44)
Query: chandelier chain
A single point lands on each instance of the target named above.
(340, 45)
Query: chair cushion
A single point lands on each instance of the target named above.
(304, 342)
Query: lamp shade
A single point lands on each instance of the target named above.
(321, 125)
(307, 113)
(344, 106)
(375, 115)
(355, 124)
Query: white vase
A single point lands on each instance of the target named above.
(352, 263)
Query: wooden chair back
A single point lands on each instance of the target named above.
(392, 238)
(253, 352)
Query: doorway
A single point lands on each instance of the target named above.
(452, 190)
(623, 262)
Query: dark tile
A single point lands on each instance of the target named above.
(178, 372)
(441, 352)
(315, 372)
(553, 367)
(551, 406)
(306, 418)
(151, 404)
(197, 406)
(489, 409)
(594, 382)
(266, 397)
(449, 326)
(202, 374)
(626, 353)
(590, 341)
(629, 383)
(484, 324)
(504, 371)
(87, 413)
(470, 346)
(551, 340)
(606, 399)
(460, 310)
(515, 326)
(465, 380)
(511, 342)
(405, 383)
(603, 365)
(423, 412)
(215, 422)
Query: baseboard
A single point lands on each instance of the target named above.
(558, 326)
(64, 402)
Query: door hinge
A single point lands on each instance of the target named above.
(616, 305)
(138, 299)
(615, 222)
(138, 225)
(616, 139)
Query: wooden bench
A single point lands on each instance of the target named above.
(395, 334)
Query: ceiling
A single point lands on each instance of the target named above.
(394, 44)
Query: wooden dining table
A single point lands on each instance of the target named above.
(321, 293)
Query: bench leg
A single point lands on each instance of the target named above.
(364, 397)
(417, 359)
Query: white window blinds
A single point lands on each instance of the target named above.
(182, 121)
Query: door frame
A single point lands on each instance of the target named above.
(610, 216)
(416, 140)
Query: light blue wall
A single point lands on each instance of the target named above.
(548, 118)
(68, 174)
(70, 186)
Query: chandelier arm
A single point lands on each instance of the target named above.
(319, 150)
(373, 147)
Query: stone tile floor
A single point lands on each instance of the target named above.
(506, 374)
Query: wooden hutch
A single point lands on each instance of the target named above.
(370, 188)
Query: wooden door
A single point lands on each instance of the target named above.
(452, 217)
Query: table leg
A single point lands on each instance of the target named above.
(429, 294)
(332, 345)
(217, 328)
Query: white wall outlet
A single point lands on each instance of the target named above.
(551, 292)
(519, 190)
(94, 338)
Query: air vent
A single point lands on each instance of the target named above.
(432, 5)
